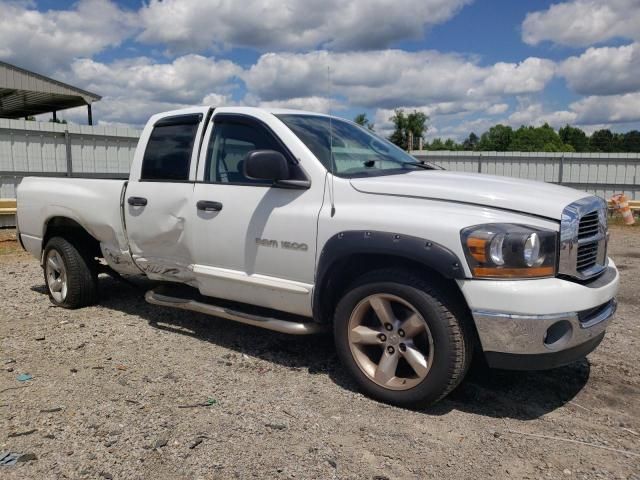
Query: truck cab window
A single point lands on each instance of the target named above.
(229, 145)
(168, 152)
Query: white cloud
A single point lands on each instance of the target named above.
(197, 25)
(497, 109)
(583, 22)
(461, 130)
(389, 78)
(604, 71)
(458, 92)
(593, 110)
(442, 109)
(133, 89)
(608, 109)
(45, 40)
(133, 111)
(311, 104)
(217, 100)
(530, 75)
(185, 80)
(535, 114)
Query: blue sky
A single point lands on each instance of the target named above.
(467, 64)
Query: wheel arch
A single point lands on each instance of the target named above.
(72, 231)
(349, 254)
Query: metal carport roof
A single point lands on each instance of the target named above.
(24, 93)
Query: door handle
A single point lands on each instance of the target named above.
(137, 201)
(208, 206)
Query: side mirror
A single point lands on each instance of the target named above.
(266, 165)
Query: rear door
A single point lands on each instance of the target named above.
(159, 195)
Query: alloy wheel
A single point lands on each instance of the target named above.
(390, 341)
(56, 275)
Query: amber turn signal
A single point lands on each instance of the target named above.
(493, 272)
(477, 248)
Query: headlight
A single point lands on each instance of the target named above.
(504, 250)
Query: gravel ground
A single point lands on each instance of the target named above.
(130, 390)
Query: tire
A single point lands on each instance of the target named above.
(438, 330)
(70, 275)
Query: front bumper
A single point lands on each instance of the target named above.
(539, 337)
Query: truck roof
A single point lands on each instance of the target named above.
(247, 110)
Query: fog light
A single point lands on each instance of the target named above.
(558, 335)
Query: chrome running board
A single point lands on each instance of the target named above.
(277, 325)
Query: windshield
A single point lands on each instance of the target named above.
(356, 151)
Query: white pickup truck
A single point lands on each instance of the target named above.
(295, 222)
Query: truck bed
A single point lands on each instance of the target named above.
(93, 203)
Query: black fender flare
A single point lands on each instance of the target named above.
(420, 250)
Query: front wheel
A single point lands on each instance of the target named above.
(70, 275)
(400, 338)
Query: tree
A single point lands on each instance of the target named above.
(631, 141)
(575, 137)
(450, 144)
(404, 124)
(618, 141)
(436, 144)
(471, 142)
(503, 138)
(602, 141)
(497, 138)
(537, 139)
(524, 140)
(362, 120)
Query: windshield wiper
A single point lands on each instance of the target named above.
(426, 166)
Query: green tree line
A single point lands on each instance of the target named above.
(503, 138)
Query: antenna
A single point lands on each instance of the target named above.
(331, 160)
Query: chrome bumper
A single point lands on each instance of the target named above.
(503, 335)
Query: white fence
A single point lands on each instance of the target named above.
(51, 149)
(602, 174)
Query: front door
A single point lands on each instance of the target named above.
(158, 197)
(254, 243)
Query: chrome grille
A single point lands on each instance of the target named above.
(583, 238)
(588, 232)
(587, 255)
(589, 224)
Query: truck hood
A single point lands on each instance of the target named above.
(526, 196)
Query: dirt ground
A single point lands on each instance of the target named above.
(125, 389)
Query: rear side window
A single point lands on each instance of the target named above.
(168, 152)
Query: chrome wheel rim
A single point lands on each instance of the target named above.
(390, 341)
(56, 276)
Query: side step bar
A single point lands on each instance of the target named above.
(277, 325)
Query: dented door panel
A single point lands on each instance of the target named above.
(158, 237)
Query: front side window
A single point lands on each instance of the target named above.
(168, 153)
(356, 151)
(229, 145)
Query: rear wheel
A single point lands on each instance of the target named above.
(70, 275)
(400, 338)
